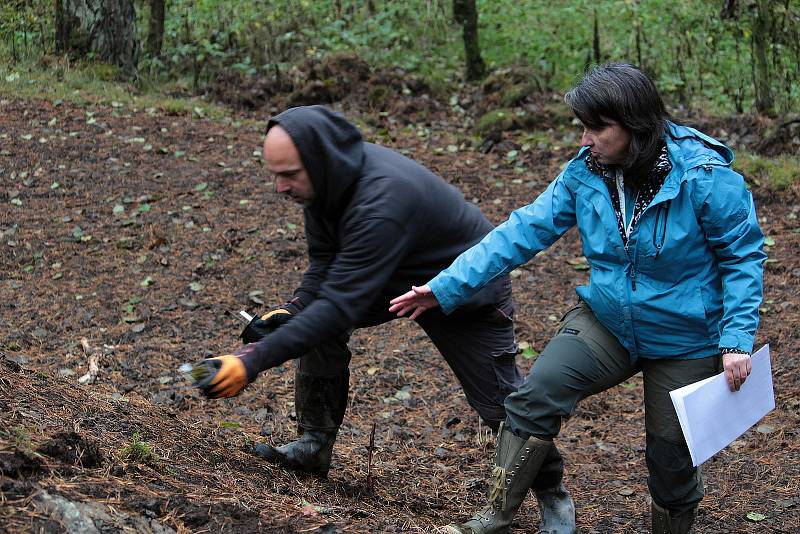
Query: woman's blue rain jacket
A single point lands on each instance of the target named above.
(690, 280)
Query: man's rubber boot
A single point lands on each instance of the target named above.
(665, 522)
(320, 403)
(517, 461)
(557, 511)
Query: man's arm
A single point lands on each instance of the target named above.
(321, 251)
(370, 253)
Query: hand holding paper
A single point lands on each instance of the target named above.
(737, 368)
(712, 416)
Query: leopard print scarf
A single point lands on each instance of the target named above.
(647, 191)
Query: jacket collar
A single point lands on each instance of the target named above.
(687, 148)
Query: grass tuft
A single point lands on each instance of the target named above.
(139, 451)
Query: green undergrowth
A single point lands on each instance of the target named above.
(775, 174)
(86, 83)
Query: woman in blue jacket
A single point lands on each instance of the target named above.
(675, 250)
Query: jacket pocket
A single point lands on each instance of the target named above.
(671, 321)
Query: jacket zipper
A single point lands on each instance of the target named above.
(659, 244)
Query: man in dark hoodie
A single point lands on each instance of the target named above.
(376, 222)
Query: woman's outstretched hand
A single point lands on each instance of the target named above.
(416, 301)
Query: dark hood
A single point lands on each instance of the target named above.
(332, 152)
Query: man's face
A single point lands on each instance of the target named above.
(608, 144)
(283, 162)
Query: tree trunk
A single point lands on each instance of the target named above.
(106, 28)
(761, 42)
(728, 9)
(596, 40)
(466, 14)
(155, 28)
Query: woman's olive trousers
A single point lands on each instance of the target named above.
(584, 358)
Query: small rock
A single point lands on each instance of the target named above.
(261, 415)
(452, 422)
(19, 359)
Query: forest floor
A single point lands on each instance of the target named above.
(144, 232)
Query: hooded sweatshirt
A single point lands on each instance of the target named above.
(379, 223)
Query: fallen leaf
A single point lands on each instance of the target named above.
(230, 424)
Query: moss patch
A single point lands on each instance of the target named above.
(776, 174)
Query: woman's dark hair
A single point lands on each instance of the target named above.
(624, 94)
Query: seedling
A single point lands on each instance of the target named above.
(139, 451)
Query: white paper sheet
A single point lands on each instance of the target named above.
(712, 416)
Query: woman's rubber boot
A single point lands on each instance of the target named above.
(320, 403)
(517, 461)
(666, 522)
(557, 511)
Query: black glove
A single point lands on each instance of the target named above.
(260, 327)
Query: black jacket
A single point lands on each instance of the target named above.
(379, 223)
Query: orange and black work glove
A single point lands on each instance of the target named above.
(227, 377)
(262, 326)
